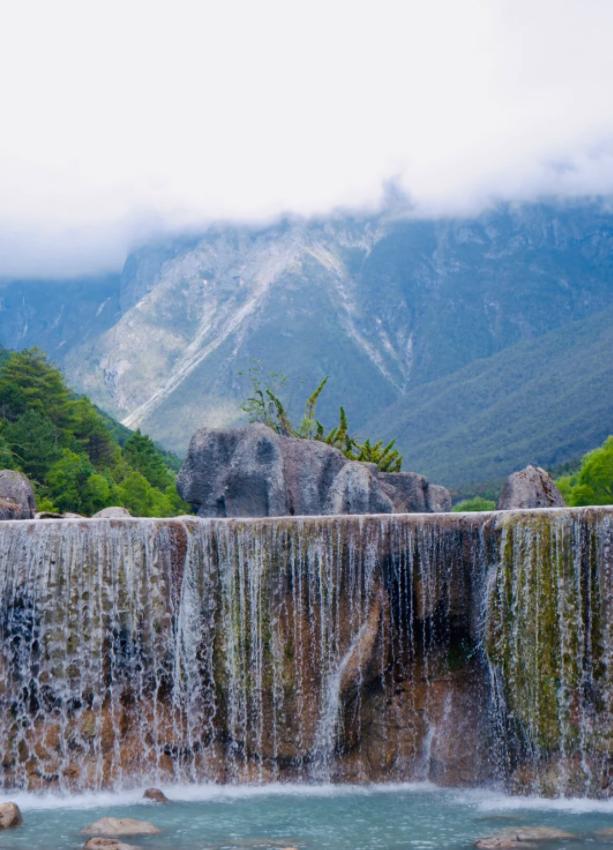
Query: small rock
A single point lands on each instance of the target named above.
(606, 834)
(10, 815)
(516, 838)
(155, 795)
(112, 513)
(107, 844)
(109, 827)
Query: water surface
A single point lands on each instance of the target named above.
(308, 817)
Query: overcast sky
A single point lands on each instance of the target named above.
(123, 119)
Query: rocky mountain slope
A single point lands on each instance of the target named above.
(387, 306)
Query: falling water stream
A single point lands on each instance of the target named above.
(458, 649)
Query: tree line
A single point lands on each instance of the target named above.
(77, 458)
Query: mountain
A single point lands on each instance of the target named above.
(543, 401)
(387, 305)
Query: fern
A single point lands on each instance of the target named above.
(266, 406)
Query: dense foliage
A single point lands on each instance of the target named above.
(77, 458)
(476, 503)
(592, 484)
(265, 405)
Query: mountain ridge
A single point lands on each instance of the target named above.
(381, 303)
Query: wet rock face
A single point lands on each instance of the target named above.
(16, 496)
(253, 471)
(532, 487)
(456, 648)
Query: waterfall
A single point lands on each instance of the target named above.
(456, 648)
(549, 622)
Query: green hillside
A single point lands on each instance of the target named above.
(592, 483)
(544, 401)
(77, 457)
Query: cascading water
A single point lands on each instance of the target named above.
(342, 648)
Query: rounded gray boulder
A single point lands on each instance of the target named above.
(16, 496)
(531, 487)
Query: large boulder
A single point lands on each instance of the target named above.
(531, 487)
(253, 471)
(16, 496)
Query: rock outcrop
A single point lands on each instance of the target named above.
(114, 512)
(253, 471)
(16, 496)
(531, 487)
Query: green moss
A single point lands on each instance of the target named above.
(537, 622)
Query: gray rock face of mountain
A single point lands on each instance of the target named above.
(16, 496)
(253, 471)
(531, 487)
(387, 306)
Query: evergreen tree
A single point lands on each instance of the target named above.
(70, 449)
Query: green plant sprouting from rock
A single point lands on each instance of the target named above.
(265, 405)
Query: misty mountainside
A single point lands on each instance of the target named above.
(471, 340)
(544, 400)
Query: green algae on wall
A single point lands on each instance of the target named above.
(548, 626)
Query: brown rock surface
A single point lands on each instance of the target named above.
(521, 837)
(109, 827)
(10, 816)
(155, 795)
(99, 843)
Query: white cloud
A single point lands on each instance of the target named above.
(118, 119)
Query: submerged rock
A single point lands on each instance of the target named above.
(531, 487)
(112, 513)
(521, 837)
(156, 795)
(10, 815)
(16, 496)
(253, 471)
(109, 827)
(99, 843)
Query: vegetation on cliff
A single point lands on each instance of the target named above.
(265, 405)
(77, 457)
(592, 484)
